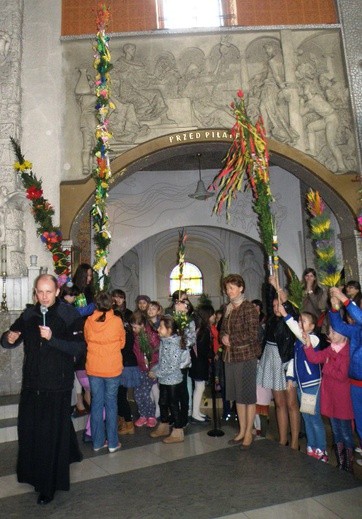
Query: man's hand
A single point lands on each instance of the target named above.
(45, 332)
(13, 337)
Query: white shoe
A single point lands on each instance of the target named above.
(359, 462)
(100, 448)
(114, 449)
(359, 450)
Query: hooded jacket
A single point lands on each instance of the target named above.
(104, 339)
(354, 334)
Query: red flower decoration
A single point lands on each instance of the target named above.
(240, 93)
(33, 193)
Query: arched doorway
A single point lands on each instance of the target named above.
(177, 152)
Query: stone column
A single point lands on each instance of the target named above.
(350, 15)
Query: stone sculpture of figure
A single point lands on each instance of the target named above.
(334, 91)
(137, 87)
(253, 275)
(12, 207)
(126, 278)
(5, 41)
(327, 122)
(166, 75)
(271, 95)
(225, 70)
(197, 89)
(86, 100)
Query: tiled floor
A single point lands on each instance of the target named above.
(200, 478)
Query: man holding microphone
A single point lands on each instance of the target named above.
(52, 334)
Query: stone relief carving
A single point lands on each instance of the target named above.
(303, 99)
(326, 122)
(125, 276)
(138, 87)
(5, 41)
(253, 274)
(11, 199)
(12, 206)
(269, 93)
(324, 104)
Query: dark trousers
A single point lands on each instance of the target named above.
(184, 398)
(170, 397)
(124, 409)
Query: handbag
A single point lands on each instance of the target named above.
(308, 403)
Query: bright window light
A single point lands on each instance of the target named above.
(191, 280)
(186, 14)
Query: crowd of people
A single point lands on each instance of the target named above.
(88, 352)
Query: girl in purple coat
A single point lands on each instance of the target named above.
(335, 390)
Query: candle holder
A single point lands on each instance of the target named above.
(4, 306)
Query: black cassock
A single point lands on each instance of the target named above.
(46, 436)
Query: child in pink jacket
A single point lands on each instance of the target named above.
(335, 390)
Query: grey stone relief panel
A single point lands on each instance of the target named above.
(295, 79)
(351, 17)
(11, 197)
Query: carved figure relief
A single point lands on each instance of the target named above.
(253, 274)
(5, 41)
(304, 101)
(324, 104)
(12, 206)
(125, 276)
(138, 88)
(268, 93)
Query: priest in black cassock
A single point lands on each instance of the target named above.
(52, 334)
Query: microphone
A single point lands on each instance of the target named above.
(43, 310)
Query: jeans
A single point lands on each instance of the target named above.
(342, 432)
(356, 395)
(314, 426)
(104, 394)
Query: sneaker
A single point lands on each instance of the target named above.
(114, 449)
(151, 421)
(310, 452)
(142, 420)
(100, 448)
(359, 450)
(359, 462)
(321, 455)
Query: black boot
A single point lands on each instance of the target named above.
(340, 455)
(263, 425)
(348, 466)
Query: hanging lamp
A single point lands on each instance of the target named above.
(201, 192)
